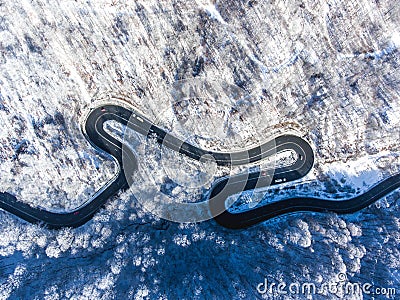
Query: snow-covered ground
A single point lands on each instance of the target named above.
(225, 75)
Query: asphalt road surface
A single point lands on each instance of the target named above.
(94, 131)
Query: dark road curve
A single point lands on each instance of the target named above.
(94, 131)
(303, 204)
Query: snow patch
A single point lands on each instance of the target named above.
(360, 174)
(396, 39)
(214, 13)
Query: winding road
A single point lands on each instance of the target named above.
(94, 131)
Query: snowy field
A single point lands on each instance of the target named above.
(224, 75)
